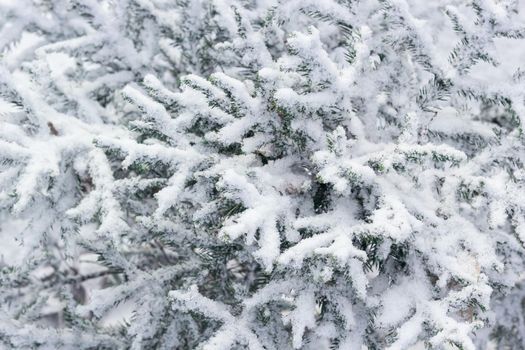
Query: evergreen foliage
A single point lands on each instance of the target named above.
(249, 174)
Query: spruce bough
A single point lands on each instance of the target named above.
(262, 174)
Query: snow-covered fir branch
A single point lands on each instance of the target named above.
(262, 174)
